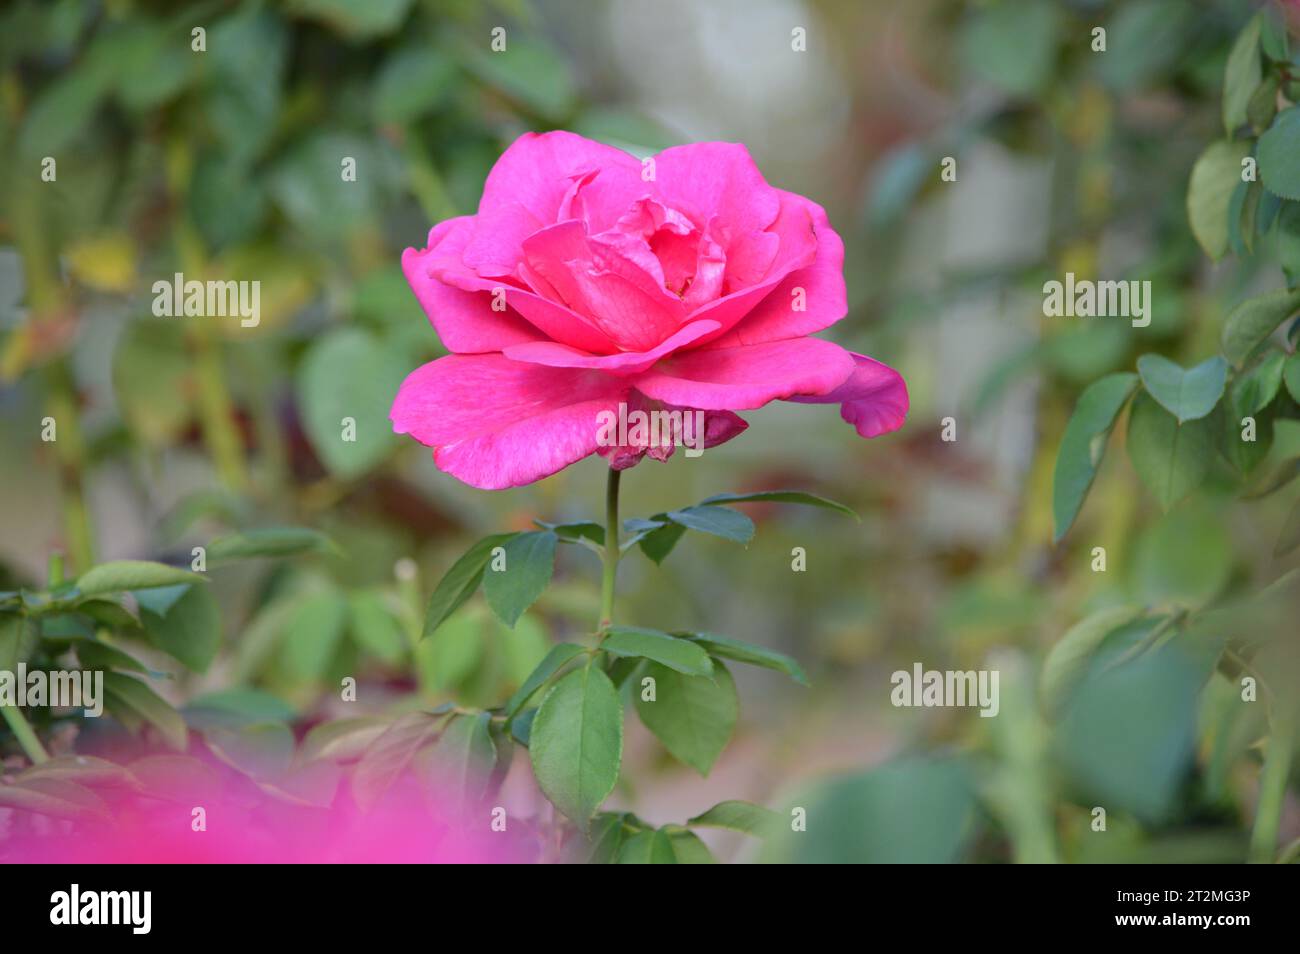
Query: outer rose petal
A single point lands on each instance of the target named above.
(496, 423)
(627, 362)
(825, 299)
(874, 398)
(748, 376)
(464, 320)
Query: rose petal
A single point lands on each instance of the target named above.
(497, 423)
(874, 399)
(748, 376)
(465, 321)
(823, 293)
(627, 362)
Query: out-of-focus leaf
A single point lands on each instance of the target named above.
(1171, 459)
(345, 387)
(1215, 177)
(1242, 75)
(1251, 322)
(134, 703)
(121, 575)
(1084, 444)
(357, 21)
(189, 630)
(268, 542)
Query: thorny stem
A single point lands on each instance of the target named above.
(611, 552)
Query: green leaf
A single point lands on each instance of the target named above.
(268, 542)
(693, 716)
(134, 703)
(1215, 177)
(606, 837)
(1013, 44)
(576, 742)
(688, 849)
(1171, 459)
(719, 521)
(411, 82)
(1188, 395)
(262, 751)
(1255, 390)
(527, 71)
(390, 755)
(374, 628)
(1291, 375)
(1288, 241)
(528, 565)
(1242, 75)
(82, 769)
(1084, 445)
(346, 385)
(744, 817)
(573, 532)
(232, 708)
(1067, 663)
(1253, 320)
(554, 661)
(728, 648)
(917, 810)
(56, 798)
(780, 496)
(357, 21)
(19, 637)
(461, 581)
(187, 629)
(647, 848)
(343, 740)
(679, 654)
(312, 635)
(132, 575)
(1279, 155)
(657, 544)
(460, 762)
(1289, 538)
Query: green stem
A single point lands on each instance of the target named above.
(1272, 789)
(611, 550)
(24, 734)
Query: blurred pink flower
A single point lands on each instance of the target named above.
(589, 280)
(247, 825)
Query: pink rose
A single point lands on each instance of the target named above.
(589, 280)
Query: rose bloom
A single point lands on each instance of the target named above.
(589, 280)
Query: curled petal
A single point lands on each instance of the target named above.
(873, 399)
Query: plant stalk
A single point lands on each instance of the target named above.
(23, 733)
(1272, 789)
(611, 551)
